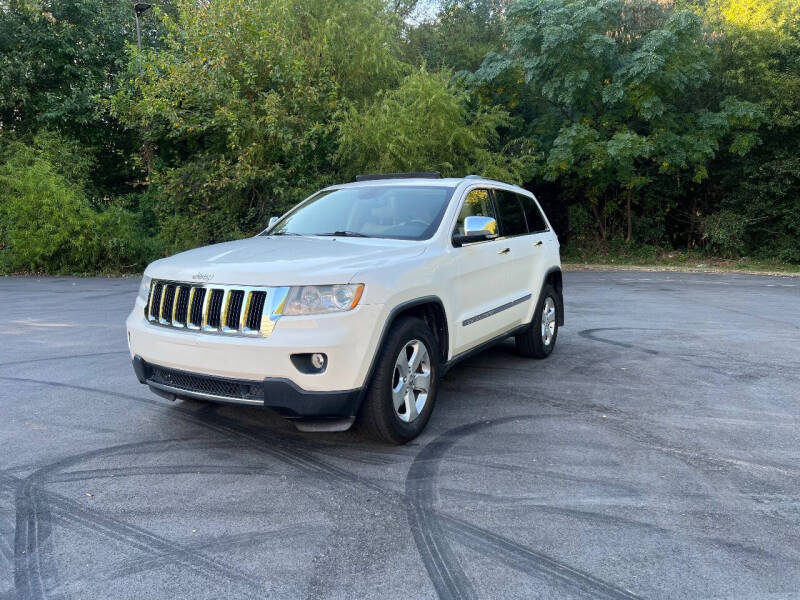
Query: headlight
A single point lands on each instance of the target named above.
(318, 299)
(144, 289)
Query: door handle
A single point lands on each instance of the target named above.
(539, 243)
(505, 251)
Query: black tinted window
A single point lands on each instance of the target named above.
(512, 219)
(536, 221)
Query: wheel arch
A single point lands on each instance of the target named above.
(428, 308)
(554, 277)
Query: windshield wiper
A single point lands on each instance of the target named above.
(344, 234)
(285, 233)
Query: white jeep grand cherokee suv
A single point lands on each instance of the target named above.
(354, 303)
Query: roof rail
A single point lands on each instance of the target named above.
(474, 177)
(416, 175)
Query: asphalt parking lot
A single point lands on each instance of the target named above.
(656, 454)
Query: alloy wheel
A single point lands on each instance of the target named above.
(411, 381)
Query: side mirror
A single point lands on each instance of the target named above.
(476, 229)
(272, 221)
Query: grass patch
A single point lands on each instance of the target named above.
(678, 260)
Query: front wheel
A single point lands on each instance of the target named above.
(538, 340)
(401, 394)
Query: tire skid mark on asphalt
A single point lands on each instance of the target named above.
(588, 516)
(626, 490)
(158, 470)
(50, 358)
(6, 551)
(300, 461)
(591, 334)
(440, 561)
(525, 561)
(617, 421)
(785, 370)
(278, 446)
(230, 542)
(431, 530)
(32, 580)
(32, 544)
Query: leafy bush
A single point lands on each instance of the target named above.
(723, 232)
(236, 107)
(47, 224)
(426, 124)
(768, 199)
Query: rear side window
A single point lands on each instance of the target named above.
(512, 218)
(536, 222)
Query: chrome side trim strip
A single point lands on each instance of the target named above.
(494, 311)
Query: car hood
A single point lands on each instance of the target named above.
(283, 260)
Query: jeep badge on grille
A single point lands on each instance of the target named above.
(203, 276)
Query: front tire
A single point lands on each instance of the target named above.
(402, 392)
(538, 340)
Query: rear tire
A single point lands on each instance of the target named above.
(402, 391)
(538, 340)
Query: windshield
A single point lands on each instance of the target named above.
(400, 212)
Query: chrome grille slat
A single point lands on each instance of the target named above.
(215, 309)
(190, 307)
(246, 299)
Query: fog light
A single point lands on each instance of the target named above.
(317, 360)
(310, 364)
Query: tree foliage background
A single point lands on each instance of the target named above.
(638, 123)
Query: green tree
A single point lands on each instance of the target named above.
(459, 36)
(757, 58)
(427, 123)
(58, 61)
(236, 108)
(613, 88)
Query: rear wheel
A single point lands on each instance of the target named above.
(402, 392)
(539, 339)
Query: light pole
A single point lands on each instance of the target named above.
(138, 9)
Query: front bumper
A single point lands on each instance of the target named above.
(278, 394)
(348, 339)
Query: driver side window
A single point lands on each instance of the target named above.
(477, 203)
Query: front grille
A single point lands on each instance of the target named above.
(215, 386)
(214, 308)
